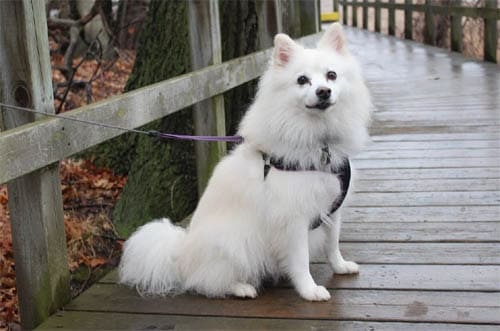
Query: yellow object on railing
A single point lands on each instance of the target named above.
(330, 17)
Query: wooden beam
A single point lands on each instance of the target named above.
(345, 15)
(209, 115)
(46, 141)
(35, 202)
(355, 13)
(408, 20)
(490, 35)
(430, 30)
(377, 16)
(392, 20)
(456, 32)
(365, 15)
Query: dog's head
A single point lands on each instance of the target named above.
(310, 96)
(312, 78)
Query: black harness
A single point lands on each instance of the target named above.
(343, 174)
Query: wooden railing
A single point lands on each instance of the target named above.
(32, 146)
(490, 13)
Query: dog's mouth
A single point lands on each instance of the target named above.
(320, 105)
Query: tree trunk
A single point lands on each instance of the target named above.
(162, 180)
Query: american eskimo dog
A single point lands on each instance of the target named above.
(273, 203)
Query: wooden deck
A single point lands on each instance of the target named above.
(424, 222)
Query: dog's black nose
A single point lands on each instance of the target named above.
(323, 93)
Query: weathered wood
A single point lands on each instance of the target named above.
(490, 35)
(365, 16)
(420, 232)
(60, 138)
(355, 13)
(345, 13)
(35, 202)
(398, 277)
(426, 185)
(431, 173)
(71, 320)
(495, 135)
(377, 15)
(392, 20)
(474, 12)
(208, 115)
(422, 214)
(456, 31)
(430, 29)
(428, 163)
(435, 306)
(422, 253)
(432, 153)
(418, 145)
(408, 20)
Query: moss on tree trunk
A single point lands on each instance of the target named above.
(162, 180)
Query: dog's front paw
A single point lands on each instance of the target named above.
(315, 293)
(345, 267)
(242, 290)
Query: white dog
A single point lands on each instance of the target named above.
(259, 215)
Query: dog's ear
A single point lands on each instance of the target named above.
(333, 39)
(284, 48)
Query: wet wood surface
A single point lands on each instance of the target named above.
(423, 219)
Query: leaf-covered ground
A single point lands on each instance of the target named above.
(89, 194)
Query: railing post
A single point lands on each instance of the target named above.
(392, 18)
(345, 13)
(430, 31)
(209, 115)
(490, 35)
(355, 13)
(408, 20)
(35, 202)
(365, 14)
(336, 6)
(377, 16)
(456, 30)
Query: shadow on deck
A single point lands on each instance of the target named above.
(424, 222)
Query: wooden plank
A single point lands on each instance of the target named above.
(209, 115)
(495, 135)
(432, 173)
(426, 185)
(475, 12)
(490, 34)
(435, 306)
(35, 202)
(426, 163)
(365, 16)
(422, 214)
(71, 320)
(456, 30)
(420, 232)
(408, 20)
(432, 153)
(398, 277)
(405, 199)
(422, 253)
(391, 20)
(418, 145)
(35, 145)
(377, 16)
(354, 13)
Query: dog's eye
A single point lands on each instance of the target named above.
(302, 80)
(331, 75)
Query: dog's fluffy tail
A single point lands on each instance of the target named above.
(149, 259)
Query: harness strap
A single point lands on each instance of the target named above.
(343, 175)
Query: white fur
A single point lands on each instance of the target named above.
(245, 227)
